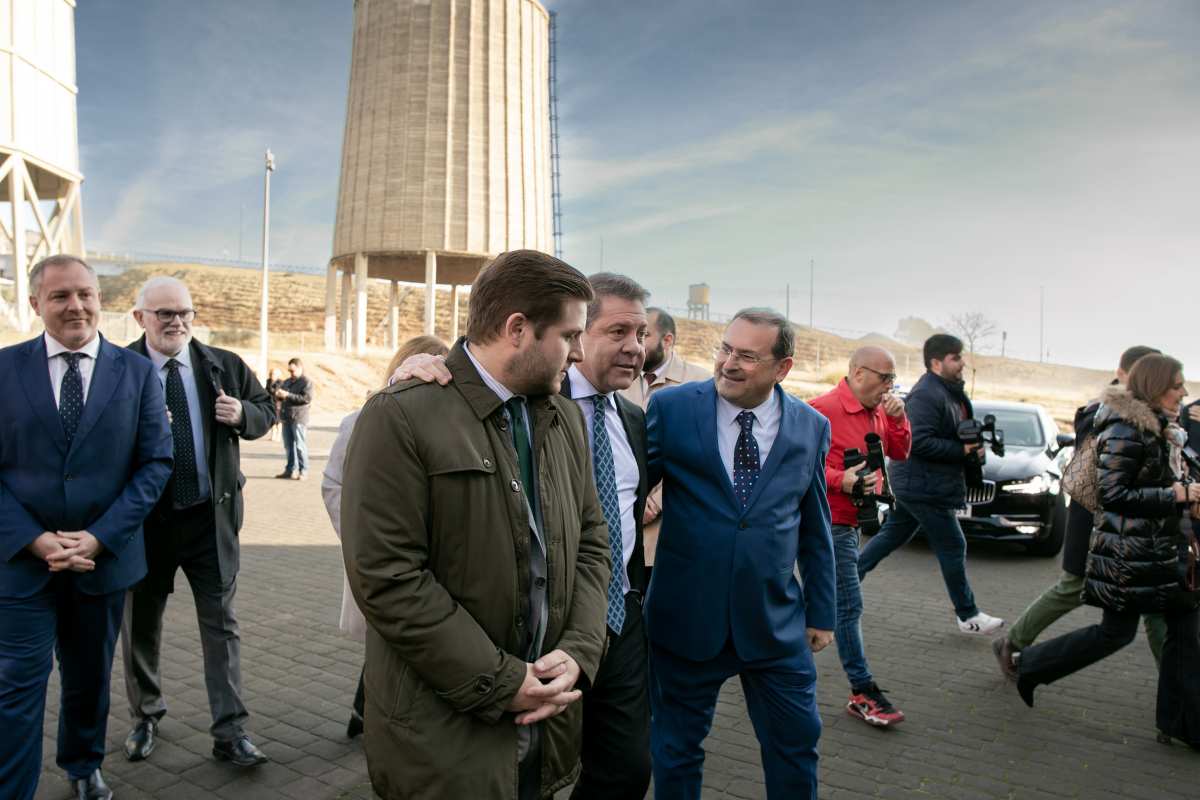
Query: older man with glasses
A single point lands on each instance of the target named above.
(860, 405)
(213, 399)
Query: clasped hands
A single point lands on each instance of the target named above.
(548, 688)
(67, 550)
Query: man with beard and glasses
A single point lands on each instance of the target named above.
(85, 451)
(743, 471)
(476, 547)
(664, 367)
(215, 401)
(931, 486)
(616, 709)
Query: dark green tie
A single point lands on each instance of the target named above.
(520, 434)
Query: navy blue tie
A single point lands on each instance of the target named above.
(610, 501)
(70, 395)
(185, 480)
(745, 459)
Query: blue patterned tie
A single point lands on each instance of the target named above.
(745, 459)
(606, 487)
(70, 395)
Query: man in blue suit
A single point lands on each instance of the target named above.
(85, 451)
(743, 470)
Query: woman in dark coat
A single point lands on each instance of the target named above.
(1138, 557)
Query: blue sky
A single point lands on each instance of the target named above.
(930, 157)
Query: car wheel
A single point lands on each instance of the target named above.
(1052, 544)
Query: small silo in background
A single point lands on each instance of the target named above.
(39, 144)
(446, 155)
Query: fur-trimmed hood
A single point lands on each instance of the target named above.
(1118, 403)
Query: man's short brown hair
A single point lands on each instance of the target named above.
(610, 284)
(522, 282)
(1135, 354)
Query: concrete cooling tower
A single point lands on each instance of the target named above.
(39, 145)
(446, 159)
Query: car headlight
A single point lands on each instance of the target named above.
(1040, 484)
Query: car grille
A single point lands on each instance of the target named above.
(978, 497)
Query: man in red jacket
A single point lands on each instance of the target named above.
(860, 405)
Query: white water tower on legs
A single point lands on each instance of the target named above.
(39, 144)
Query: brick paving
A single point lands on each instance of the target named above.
(967, 735)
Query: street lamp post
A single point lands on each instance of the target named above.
(266, 253)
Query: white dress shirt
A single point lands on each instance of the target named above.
(624, 462)
(189, 378)
(766, 428)
(58, 366)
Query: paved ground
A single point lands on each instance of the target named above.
(967, 736)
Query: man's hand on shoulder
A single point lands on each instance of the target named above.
(818, 639)
(423, 367)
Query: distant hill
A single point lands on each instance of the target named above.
(227, 300)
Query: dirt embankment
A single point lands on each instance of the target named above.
(228, 302)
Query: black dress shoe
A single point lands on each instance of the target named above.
(139, 744)
(355, 726)
(241, 751)
(92, 787)
(1025, 688)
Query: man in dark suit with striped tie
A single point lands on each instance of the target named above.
(85, 451)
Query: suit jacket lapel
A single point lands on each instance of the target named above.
(706, 427)
(106, 375)
(35, 380)
(636, 435)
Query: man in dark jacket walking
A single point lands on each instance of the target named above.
(295, 395)
(930, 486)
(1066, 595)
(213, 399)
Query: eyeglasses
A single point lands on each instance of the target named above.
(888, 377)
(166, 315)
(726, 353)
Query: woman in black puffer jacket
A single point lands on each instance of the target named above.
(1138, 557)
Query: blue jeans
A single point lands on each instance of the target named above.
(945, 537)
(295, 444)
(849, 608)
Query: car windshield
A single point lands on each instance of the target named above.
(1021, 428)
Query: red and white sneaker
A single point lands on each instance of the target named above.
(872, 707)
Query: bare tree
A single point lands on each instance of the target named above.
(975, 330)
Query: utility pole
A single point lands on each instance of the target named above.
(1003, 342)
(812, 282)
(1042, 324)
(266, 253)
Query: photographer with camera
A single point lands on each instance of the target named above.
(867, 422)
(930, 486)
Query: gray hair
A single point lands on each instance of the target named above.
(61, 260)
(154, 283)
(785, 341)
(610, 284)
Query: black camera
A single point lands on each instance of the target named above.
(873, 458)
(985, 434)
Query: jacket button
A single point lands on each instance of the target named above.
(742, 526)
(516, 487)
(68, 477)
(520, 622)
(539, 582)
(487, 463)
(483, 685)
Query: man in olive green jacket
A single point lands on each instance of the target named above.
(476, 547)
